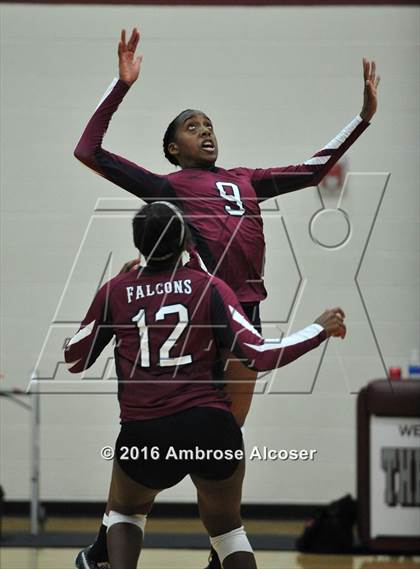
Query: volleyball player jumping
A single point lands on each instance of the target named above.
(170, 324)
(221, 206)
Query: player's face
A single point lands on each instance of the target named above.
(195, 143)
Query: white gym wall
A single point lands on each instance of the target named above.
(278, 83)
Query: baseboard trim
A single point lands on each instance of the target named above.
(164, 510)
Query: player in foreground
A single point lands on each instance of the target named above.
(221, 206)
(171, 323)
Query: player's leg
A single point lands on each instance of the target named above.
(95, 556)
(240, 381)
(129, 503)
(97, 552)
(239, 384)
(219, 503)
(145, 472)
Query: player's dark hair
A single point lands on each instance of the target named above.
(160, 232)
(169, 137)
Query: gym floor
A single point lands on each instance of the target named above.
(63, 558)
(195, 559)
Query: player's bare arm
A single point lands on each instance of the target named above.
(128, 64)
(370, 92)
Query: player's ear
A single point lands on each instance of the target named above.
(173, 149)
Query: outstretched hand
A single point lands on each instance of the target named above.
(370, 94)
(129, 65)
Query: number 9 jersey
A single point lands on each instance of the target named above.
(220, 206)
(171, 329)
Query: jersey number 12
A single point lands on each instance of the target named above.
(164, 358)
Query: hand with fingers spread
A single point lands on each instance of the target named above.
(370, 94)
(129, 65)
(332, 320)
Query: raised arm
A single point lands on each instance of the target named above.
(272, 182)
(235, 333)
(122, 172)
(94, 334)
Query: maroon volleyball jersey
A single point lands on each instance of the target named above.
(171, 328)
(221, 206)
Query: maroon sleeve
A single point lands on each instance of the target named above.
(236, 334)
(95, 332)
(122, 172)
(272, 182)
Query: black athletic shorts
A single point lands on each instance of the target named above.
(159, 453)
(252, 310)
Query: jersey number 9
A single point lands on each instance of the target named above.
(234, 196)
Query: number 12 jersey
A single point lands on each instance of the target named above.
(171, 329)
